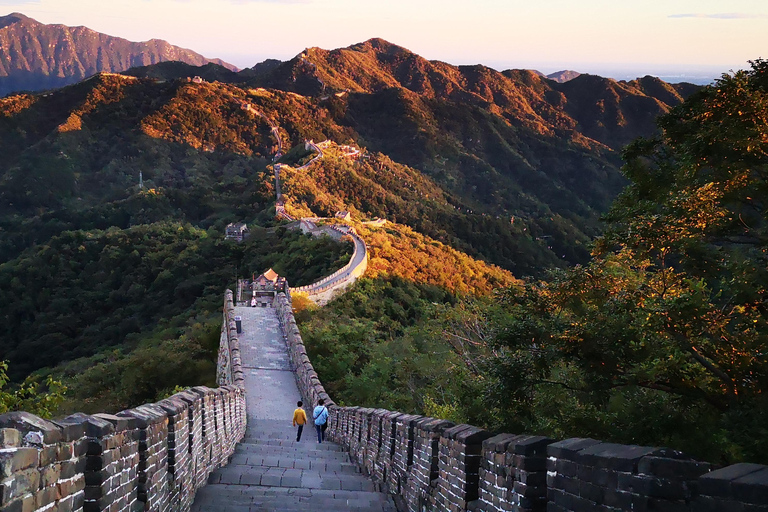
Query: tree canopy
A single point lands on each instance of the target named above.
(662, 337)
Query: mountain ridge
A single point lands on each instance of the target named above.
(527, 165)
(521, 96)
(36, 56)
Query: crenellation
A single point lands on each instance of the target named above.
(402, 452)
(179, 460)
(422, 482)
(374, 447)
(154, 457)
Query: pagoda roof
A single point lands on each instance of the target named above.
(270, 275)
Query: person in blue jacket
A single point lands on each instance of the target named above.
(320, 417)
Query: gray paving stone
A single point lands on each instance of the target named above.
(270, 471)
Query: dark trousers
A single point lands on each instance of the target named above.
(298, 435)
(320, 433)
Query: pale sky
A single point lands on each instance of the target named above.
(607, 37)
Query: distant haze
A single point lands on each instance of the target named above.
(697, 38)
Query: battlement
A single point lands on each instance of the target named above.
(156, 456)
(430, 464)
(153, 457)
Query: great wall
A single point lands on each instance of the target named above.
(232, 448)
(322, 291)
(157, 457)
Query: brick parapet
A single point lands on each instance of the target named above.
(374, 447)
(513, 473)
(147, 458)
(42, 462)
(421, 487)
(309, 384)
(230, 365)
(154, 457)
(459, 452)
(433, 465)
(402, 452)
(583, 473)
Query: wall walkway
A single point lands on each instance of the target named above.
(270, 470)
(322, 291)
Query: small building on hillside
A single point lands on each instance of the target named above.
(343, 215)
(265, 280)
(236, 231)
(260, 291)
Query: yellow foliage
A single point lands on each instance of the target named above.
(398, 250)
(12, 105)
(73, 123)
(301, 302)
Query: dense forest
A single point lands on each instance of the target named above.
(660, 339)
(135, 312)
(488, 297)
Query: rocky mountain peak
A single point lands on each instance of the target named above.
(14, 17)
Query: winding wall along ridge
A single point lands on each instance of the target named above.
(356, 267)
(430, 464)
(153, 457)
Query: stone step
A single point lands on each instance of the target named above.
(291, 477)
(319, 449)
(269, 470)
(241, 498)
(342, 465)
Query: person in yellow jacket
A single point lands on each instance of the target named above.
(299, 418)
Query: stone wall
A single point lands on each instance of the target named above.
(323, 290)
(153, 457)
(429, 464)
(309, 385)
(230, 369)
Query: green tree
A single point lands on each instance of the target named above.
(30, 395)
(662, 338)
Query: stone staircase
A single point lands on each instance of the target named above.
(271, 471)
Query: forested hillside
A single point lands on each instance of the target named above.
(659, 340)
(123, 284)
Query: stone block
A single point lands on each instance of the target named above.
(434, 425)
(45, 497)
(121, 423)
(27, 423)
(498, 443)
(10, 438)
(618, 457)
(97, 428)
(529, 463)
(145, 417)
(672, 468)
(569, 448)
(13, 460)
(50, 475)
(651, 486)
(718, 483)
(70, 468)
(530, 446)
(452, 432)
(73, 426)
(23, 482)
(173, 406)
(752, 488)
(25, 504)
(47, 454)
